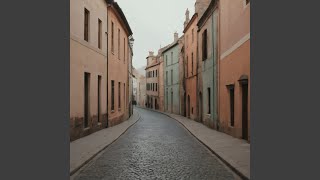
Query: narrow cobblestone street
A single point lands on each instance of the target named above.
(156, 147)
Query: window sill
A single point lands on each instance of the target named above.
(112, 111)
(99, 124)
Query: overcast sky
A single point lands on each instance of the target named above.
(153, 23)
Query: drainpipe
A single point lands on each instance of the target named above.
(107, 125)
(218, 61)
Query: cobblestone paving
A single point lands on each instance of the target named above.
(156, 147)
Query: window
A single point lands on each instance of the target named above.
(119, 95)
(124, 50)
(167, 60)
(192, 64)
(112, 95)
(99, 96)
(156, 73)
(152, 86)
(204, 45)
(99, 33)
(186, 40)
(231, 93)
(167, 99)
(112, 37)
(166, 77)
(171, 57)
(209, 101)
(86, 99)
(152, 73)
(187, 67)
(192, 35)
(171, 100)
(247, 1)
(171, 76)
(86, 24)
(119, 44)
(156, 86)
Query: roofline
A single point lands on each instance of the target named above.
(190, 22)
(171, 46)
(212, 6)
(120, 12)
(152, 66)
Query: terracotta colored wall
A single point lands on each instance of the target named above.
(87, 57)
(118, 70)
(234, 61)
(191, 78)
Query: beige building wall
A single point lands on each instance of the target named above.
(142, 91)
(87, 57)
(161, 84)
(118, 58)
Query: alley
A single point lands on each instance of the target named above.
(156, 147)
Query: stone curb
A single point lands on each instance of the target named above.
(88, 160)
(223, 160)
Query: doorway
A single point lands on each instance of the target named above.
(245, 111)
(200, 107)
(184, 105)
(188, 106)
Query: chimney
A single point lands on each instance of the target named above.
(176, 36)
(187, 18)
(201, 6)
(150, 53)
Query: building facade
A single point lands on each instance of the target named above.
(171, 77)
(234, 67)
(119, 32)
(152, 81)
(182, 83)
(207, 48)
(141, 100)
(88, 67)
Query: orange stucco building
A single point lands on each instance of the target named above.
(234, 68)
(192, 67)
(119, 52)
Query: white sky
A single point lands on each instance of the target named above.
(153, 23)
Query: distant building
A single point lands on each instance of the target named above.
(152, 81)
(171, 77)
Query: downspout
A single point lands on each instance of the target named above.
(107, 125)
(218, 60)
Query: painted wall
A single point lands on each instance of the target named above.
(171, 72)
(87, 57)
(118, 69)
(209, 70)
(153, 94)
(191, 69)
(234, 61)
